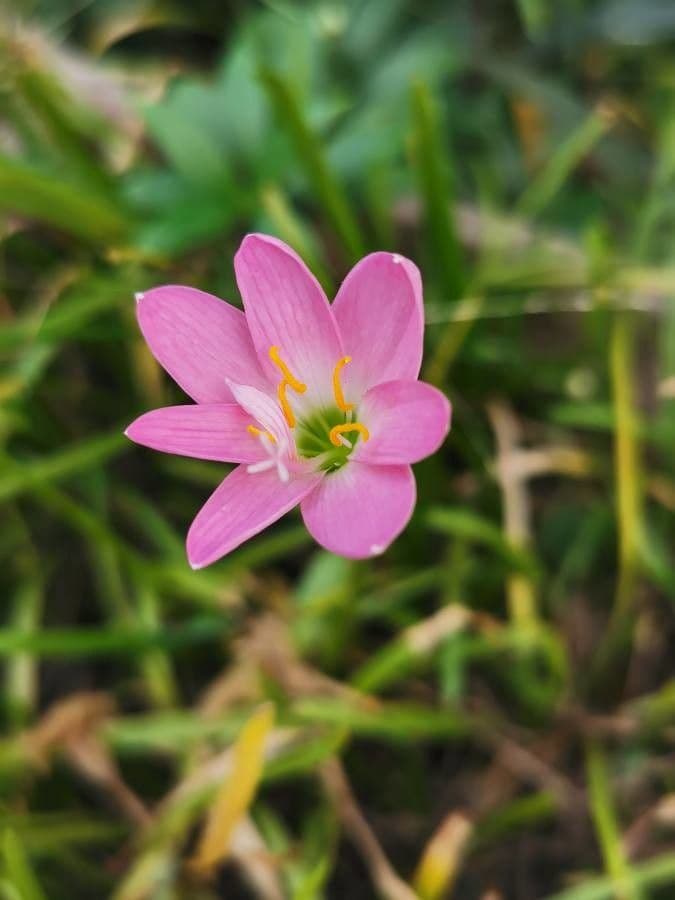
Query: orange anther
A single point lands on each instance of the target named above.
(337, 387)
(286, 408)
(257, 432)
(337, 430)
(289, 378)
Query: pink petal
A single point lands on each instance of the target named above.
(407, 421)
(287, 308)
(380, 315)
(200, 341)
(239, 508)
(359, 510)
(205, 431)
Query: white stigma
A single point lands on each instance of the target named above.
(139, 296)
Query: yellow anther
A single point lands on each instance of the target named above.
(286, 409)
(257, 432)
(289, 378)
(337, 387)
(289, 381)
(337, 430)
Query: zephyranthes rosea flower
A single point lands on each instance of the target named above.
(320, 405)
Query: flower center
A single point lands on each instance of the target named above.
(319, 435)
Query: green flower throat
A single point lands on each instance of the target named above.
(312, 438)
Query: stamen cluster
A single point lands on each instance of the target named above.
(322, 430)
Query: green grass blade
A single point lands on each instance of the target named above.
(111, 641)
(29, 192)
(606, 825)
(650, 875)
(434, 174)
(21, 689)
(562, 163)
(311, 154)
(17, 868)
(22, 476)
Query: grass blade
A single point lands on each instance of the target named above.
(238, 791)
(312, 156)
(21, 477)
(606, 826)
(563, 161)
(434, 174)
(26, 191)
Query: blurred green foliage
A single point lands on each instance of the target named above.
(504, 672)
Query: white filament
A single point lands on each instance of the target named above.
(274, 460)
(263, 466)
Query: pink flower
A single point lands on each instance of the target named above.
(319, 404)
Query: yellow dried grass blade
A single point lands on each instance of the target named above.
(238, 790)
(442, 857)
